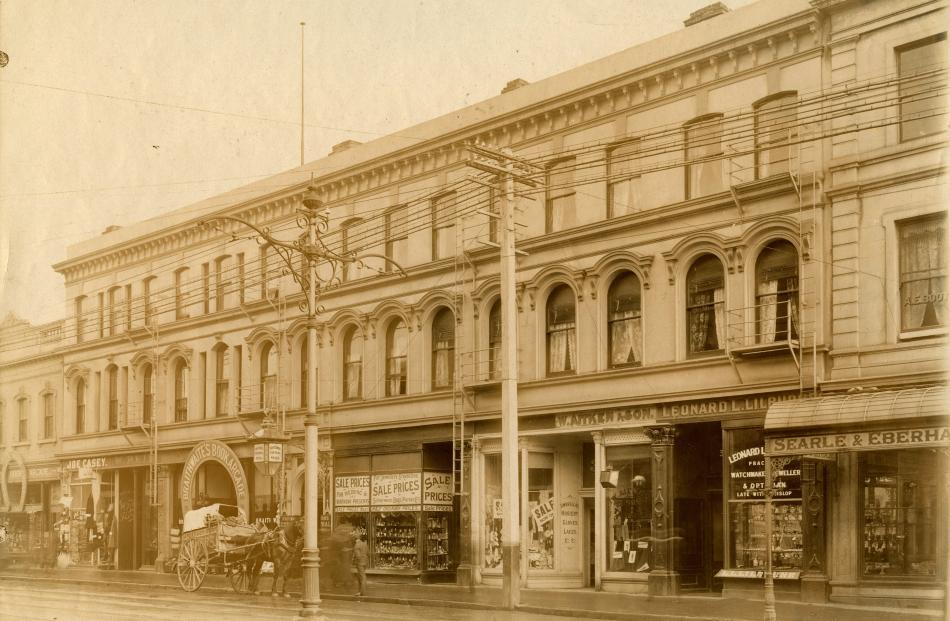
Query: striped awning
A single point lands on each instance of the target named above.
(915, 417)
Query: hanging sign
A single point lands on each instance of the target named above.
(543, 512)
(396, 492)
(351, 493)
(437, 491)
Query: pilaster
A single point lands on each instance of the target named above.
(663, 579)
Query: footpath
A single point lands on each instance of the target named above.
(580, 603)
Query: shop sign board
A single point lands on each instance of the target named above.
(757, 573)
(351, 493)
(747, 474)
(437, 491)
(570, 512)
(859, 441)
(213, 450)
(401, 491)
(666, 411)
(543, 512)
(35, 473)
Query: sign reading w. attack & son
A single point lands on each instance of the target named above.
(670, 411)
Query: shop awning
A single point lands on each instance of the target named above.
(859, 421)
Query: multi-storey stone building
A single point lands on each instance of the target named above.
(734, 249)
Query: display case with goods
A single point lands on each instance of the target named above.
(357, 520)
(396, 541)
(747, 529)
(438, 545)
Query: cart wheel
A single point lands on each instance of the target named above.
(192, 565)
(241, 576)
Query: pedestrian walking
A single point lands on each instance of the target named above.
(360, 560)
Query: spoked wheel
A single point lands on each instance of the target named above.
(241, 576)
(192, 565)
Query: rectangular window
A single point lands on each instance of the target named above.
(494, 511)
(238, 368)
(494, 208)
(114, 310)
(148, 312)
(629, 509)
(241, 277)
(542, 510)
(48, 414)
(24, 419)
(80, 320)
(397, 236)
(747, 509)
(102, 323)
(221, 282)
(262, 269)
(623, 179)
(775, 128)
(704, 157)
(923, 272)
(128, 308)
(181, 311)
(921, 66)
(560, 212)
(902, 502)
(206, 288)
(443, 226)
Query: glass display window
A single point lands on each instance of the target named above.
(438, 547)
(745, 465)
(541, 511)
(628, 509)
(493, 511)
(396, 540)
(901, 501)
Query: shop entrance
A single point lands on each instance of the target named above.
(589, 542)
(213, 484)
(697, 508)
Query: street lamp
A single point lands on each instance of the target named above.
(314, 218)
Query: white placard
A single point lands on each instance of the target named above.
(351, 491)
(403, 488)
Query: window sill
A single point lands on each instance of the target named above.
(922, 334)
(20, 444)
(705, 354)
(562, 374)
(47, 441)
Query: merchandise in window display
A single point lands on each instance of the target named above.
(748, 535)
(628, 517)
(437, 544)
(396, 539)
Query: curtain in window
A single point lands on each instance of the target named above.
(768, 301)
(353, 376)
(562, 348)
(719, 296)
(397, 375)
(922, 275)
(626, 339)
(699, 321)
(443, 365)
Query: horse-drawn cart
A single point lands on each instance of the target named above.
(218, 538)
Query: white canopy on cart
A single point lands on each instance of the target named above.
(197, 518)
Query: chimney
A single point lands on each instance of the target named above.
(513, 85)
(340, 147)
(707, 12)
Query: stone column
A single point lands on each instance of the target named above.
(600, 511)
(663, 580)
(814, 571)
(465, 573)
(163, 517)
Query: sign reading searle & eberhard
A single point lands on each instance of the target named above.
(859, 441)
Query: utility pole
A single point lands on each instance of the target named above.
(316, 220)
(508, 169)
(302, 24)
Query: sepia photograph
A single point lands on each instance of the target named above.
(465, 310)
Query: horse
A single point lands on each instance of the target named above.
(282, 547)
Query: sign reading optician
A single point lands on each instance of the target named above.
(351, 493)
(860, 441)
(437, 491)
(400, 491)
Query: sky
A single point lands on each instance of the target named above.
(115, 111)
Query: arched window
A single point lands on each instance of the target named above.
(624, 328)
(222, 382)
(561, 332)
(704, 156)
(304, 368)
(148, 394)
(23, 416)
(81, 406)
(443, 349)
(705, 313)
(776, 292)
(268, 376)
(353, 364)
(397, 344)
(113, 379)
(775, 121)
(494, 341)
(181, 391)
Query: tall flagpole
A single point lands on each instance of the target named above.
(302, 24)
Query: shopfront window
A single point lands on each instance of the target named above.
(901, 504)
(628, 508)
(541, 511)
(395, 537)
(747, 508)
(494, 510)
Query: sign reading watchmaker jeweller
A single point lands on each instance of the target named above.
(747, 469)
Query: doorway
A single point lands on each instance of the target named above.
(590, 556)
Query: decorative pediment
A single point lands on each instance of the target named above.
(74, 372)
(174, 352)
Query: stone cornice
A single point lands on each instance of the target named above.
(716, 62)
